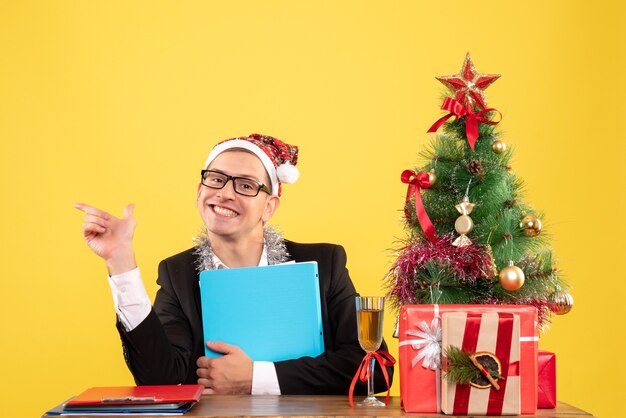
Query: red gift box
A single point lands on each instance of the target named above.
(494, 333)
(420, 350)
(546, 380)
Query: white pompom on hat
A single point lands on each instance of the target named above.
(278, 158)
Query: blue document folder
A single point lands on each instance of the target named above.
(272, 312)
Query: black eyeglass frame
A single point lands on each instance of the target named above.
(262, 186)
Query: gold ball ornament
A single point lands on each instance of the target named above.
(561, 302)
(511, 277)
(432, 177)
(498, 146)
(463, 224)
(531, 225)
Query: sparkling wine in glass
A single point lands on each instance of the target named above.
(369, 311)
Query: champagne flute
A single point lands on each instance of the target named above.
(369, 310)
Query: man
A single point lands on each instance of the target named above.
(163, 344)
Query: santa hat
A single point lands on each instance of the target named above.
(278, 158)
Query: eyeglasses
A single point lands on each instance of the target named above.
(241, 185)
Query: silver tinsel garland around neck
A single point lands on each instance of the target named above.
(273, 240)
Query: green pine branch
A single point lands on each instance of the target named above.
(437, 284)
(461, 370)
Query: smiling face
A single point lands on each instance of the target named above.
(229, 215)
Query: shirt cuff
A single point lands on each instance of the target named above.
(264, 379)
(130, 298)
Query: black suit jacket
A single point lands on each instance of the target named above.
(163, 349)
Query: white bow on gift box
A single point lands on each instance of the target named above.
(429, 346)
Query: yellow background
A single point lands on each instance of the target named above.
(116, 102)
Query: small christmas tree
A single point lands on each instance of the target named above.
(471, 237)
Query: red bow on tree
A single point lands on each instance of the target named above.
(417, 182)
(457, 109)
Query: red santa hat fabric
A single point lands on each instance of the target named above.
(278, 157)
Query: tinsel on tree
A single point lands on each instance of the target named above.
(471, 237)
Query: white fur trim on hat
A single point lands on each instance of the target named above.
(247, 145)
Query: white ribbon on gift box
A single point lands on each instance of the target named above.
(429, 346)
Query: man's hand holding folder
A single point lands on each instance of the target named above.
(235, 364)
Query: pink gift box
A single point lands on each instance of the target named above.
(420, 354)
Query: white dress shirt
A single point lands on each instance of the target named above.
(132, 305)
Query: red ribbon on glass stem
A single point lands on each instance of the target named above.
(457, 109)
(417, 182)
(384, 359)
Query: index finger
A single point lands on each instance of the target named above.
(221, 347)
(92, 210)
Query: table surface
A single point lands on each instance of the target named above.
(320, 406)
